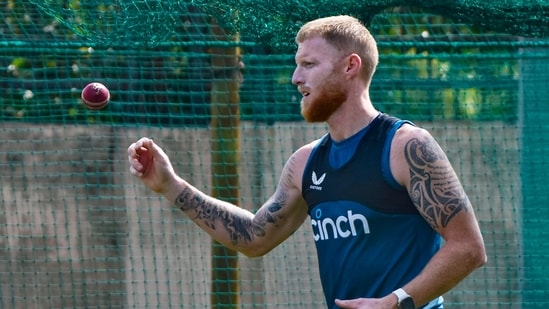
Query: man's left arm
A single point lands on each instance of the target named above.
(423, 167)
(419, 163)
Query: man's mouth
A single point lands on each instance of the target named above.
(303, 92)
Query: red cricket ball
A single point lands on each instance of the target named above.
(95, 95)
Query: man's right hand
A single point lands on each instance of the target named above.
(151, 164)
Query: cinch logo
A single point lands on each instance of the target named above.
(342, 226)
(317, 181)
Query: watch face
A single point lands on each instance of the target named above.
(407, 303)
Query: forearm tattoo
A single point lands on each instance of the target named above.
(240, 229)
(434, 187)
(208, 213)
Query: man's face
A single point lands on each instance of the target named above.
(319, 79)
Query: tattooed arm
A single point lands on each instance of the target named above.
(418, 162)
(236, 228)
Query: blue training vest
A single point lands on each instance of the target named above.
(369, 236)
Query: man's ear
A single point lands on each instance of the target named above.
(354, 64)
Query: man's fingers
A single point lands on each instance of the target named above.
(136, 168)
(138, 155)
(134, 172)
(346, 304)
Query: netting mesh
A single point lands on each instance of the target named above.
(152, 22)
(78, 231)
(132, 22)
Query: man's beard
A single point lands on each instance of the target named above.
(326, 103)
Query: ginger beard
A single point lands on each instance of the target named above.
(324, 102)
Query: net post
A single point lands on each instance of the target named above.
(225, 126)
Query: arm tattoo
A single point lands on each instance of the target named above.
(434, 187)
(208, 213)
(268, 216)
(280, 199)
(240, 229)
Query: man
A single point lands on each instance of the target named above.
(380, 192)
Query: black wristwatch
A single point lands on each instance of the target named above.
(405, 301)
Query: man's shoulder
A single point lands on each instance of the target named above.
(295, 166)
(409, 131)
(306, 149)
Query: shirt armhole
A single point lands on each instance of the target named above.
(386, 154)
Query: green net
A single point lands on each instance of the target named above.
(153, 22)
(210, 82)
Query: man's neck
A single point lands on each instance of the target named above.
(350, 119)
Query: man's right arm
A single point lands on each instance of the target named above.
(236, 228)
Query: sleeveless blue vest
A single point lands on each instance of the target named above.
(369, 236)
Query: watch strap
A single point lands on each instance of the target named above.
(400, 294)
